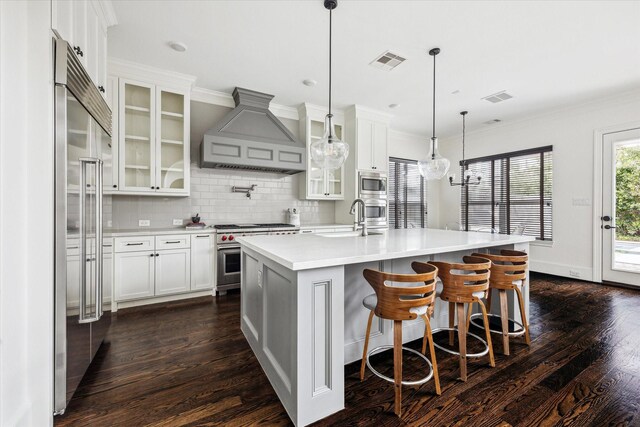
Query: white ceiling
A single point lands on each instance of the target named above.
(546, 54)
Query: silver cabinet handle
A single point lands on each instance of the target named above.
(206, 235)
(172, 242)
(135, 244)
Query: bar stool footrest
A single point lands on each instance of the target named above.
(476, 320)
(382, 348)
(457, 353)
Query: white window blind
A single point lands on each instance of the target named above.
(515, 192)
(407, 192)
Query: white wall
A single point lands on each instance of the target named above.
(416, 147)
(571, 132)
(26, 234)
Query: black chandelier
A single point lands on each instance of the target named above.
(468, 177)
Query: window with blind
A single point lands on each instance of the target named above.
(407, 192)
(515, 192)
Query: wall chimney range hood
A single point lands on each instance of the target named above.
(250, 137)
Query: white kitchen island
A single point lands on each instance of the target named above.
(301, 304)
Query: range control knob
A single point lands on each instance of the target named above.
(223, 238)
(231, 237)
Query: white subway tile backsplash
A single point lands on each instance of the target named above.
(212, 198)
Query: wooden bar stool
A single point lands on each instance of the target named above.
(508, 272)
(464, 283)
(400, 303)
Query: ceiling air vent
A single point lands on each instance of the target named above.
(387, 61)
(492, 122)
(498, 97)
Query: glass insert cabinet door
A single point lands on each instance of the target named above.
(137, 136)
(171, 136)
(323, 183)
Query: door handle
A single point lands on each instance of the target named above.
(608, 227)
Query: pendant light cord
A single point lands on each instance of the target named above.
(463, 132)
(330, 31)
(434, 96)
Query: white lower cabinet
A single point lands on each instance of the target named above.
(162, 265)
(134, 275)
(201, 262)
(172, 271)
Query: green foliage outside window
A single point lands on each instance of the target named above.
(628, 193)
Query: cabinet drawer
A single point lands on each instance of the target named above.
(173, 241)
(134, 244)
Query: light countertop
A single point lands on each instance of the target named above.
(124, 232)
(308, 251)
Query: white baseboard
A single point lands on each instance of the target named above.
(156, 300)
(563, 270)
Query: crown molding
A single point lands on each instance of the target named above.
(107, 12)
(319, 112)
(209, 96)
(366, 112)
(136, 71)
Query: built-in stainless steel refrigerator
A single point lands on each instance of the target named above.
(82, 135)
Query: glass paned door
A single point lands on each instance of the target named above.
(621, 207)
(323, 183)
(171, 171)
(137, 136)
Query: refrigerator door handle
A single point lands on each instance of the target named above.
(84, 317)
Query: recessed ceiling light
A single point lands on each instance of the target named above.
(394, 105)
(309, 82)
(178, 46)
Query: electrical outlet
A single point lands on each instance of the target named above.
(144, 223)
(574, 273)
(109, 223)
(177, 222)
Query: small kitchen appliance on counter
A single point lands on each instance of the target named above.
(227, 260)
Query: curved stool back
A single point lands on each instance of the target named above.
(400, 303)
(508, 272)
(396, 302)
(464, 283)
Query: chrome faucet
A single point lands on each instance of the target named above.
(363, 216)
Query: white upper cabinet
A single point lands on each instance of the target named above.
(84, 23)
(371, 137)
(317, 183)
(152, 119)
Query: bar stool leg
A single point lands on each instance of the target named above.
(462, 341)
(504, 317)
(523, 314)
(469, 311)
(432, 350)
(452, 316)
(492, 361)
(397, 365)
(489, 301)
(366, 346)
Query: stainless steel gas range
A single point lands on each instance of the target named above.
(228, 249)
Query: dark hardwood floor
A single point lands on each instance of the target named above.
(187, 364)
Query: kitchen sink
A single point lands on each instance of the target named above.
(348, 234)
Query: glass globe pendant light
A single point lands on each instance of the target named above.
(434, 166)
(329, 152)
(469, 177)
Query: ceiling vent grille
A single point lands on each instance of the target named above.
(492, 122)
(387, 61)
(498, 97)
